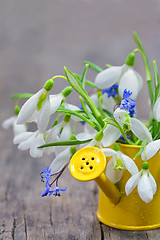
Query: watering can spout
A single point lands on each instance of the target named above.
(89, 164)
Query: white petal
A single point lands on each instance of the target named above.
(60, 161)
(108, 103)
(94, 98)
(29, 107)
(151, 149)
(19, 128)
(27, 143)
(145, 190)
(34, 151)
(129, 164)
(156, 110)
(109, 152)
(9, 122)
(111, 134)
(89, 129)
(108, 77)
(84, 136)
(22, 137)
(140, 130)
(132, 183)
(44, 116)
(114, 175)
(66, 132)
(153, 183)
(132, 81)
(118, 113)
(52, 134)
(55, 101)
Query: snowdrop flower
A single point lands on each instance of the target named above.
(112, 133)
(125, 75)
(146, 185)
(40, 106)
(118, 163)
(150, 150)
(31, 140)
(60, 132)
(62, 159)
(12, 121)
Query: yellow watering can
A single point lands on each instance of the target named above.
(115, 209)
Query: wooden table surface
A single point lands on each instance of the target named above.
(37, 38)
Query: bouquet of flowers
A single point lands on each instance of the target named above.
(108, 117)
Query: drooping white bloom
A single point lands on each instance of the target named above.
(40, 107)
(112, 133)
(59, 133)
(31, 140)
(12, 121)
(125, 75)
(156, 110)
(146, 185)
(118, 164)
(150, 150)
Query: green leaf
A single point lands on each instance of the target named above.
(87, 82)
(22, 95)
(82, 79)
(144, 143)
(83, 117)
(74, 82)
(93, 66)
(156, 80)
(65, 143)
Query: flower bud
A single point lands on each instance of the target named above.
(67, 91)
(73, 137)
(17, 110)
(99, 136)
(116, 147)
(130, 59)
(67, 118)
(145, 165)
(48, 85)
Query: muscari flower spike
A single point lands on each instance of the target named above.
(111, 90)
(128, 103)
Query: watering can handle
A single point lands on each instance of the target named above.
(89, 164)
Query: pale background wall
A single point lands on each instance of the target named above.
(37, 38)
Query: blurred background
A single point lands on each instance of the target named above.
(38, 38)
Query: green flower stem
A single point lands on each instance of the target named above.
(59, 76)
(122, 132)
(147, 67)
(80, 116)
